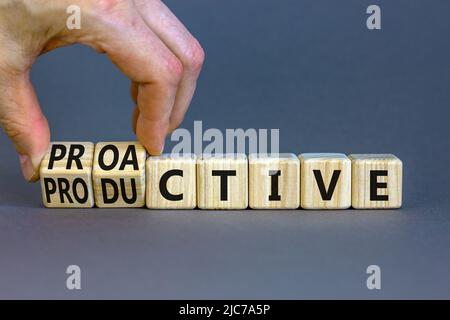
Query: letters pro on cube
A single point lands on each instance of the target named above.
(119, 174)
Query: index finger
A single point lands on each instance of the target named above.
(145, 59)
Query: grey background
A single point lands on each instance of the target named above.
(310, 68)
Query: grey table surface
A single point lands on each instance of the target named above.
(310, 68)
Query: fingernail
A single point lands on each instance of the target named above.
(29, 172)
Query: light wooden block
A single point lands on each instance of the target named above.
(171, 181)
(274, 181)
(222, 181)
(376, 181)
(66, 175)
(119, 174)
(325, 181)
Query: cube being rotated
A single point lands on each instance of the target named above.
(274, 181)
(376, 181)
(171, 182)
(222, 181)
(66, 175)
(119, 174)
(325, 181)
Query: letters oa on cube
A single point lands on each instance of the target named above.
(119, 174)
(66, 175)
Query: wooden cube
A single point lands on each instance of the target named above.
(325, 181)
(222, 181)
(171, 181)
(119, 174)
(274, 181)
(376, 181)
(66, 175)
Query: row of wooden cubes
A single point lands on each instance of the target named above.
(119, 174)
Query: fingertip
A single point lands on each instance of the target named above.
(154, 149)
(32, 148)
(151, 135)
(30, 168)
(25, 124)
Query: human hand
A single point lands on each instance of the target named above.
(141, 37)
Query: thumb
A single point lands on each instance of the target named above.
(22, 119)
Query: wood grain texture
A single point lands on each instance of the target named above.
(123, 177)
(179, 183)
(327, 165)
(386, 169)
(210, 194)
(264, 170)
(77, 179)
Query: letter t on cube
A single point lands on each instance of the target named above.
(222, 181)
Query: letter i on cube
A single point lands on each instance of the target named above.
(274, 181)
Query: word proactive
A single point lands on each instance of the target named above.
(119, 174)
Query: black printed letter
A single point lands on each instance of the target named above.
(163, 185)
(274, 196)
(48, 191)
(75, 191)
(115, 196)
(101, 157)
(326, 194)
(131, 151)
(54, 157)
(75, 157)
(375, 185)
(224, 174)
